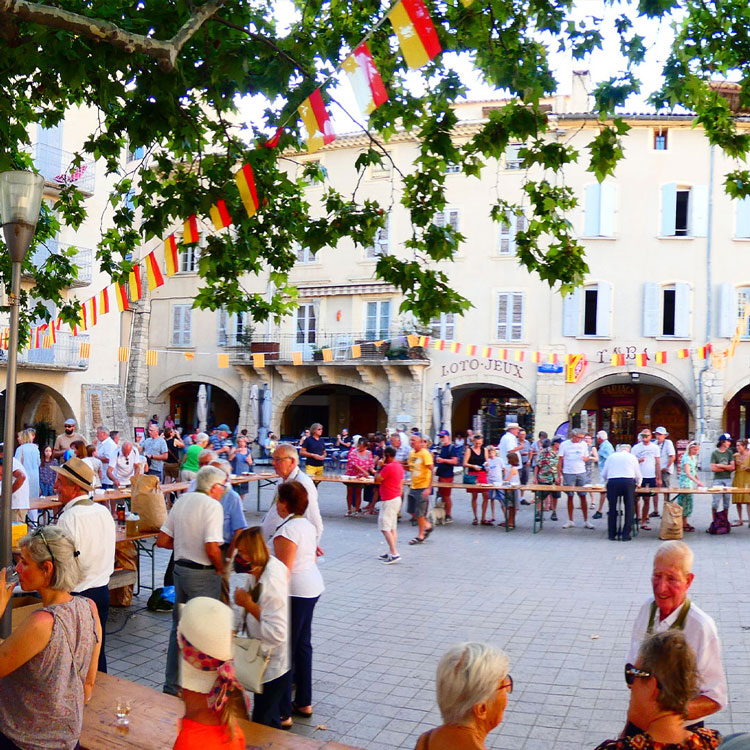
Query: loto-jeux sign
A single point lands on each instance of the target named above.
(514, 369)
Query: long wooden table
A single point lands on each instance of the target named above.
(154, 722)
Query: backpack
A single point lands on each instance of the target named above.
(720, 524)
(161, 600)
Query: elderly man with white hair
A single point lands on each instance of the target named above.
(194, 529)
(508, 442)
(622, 473)
(671, 609)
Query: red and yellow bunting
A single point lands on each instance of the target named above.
(121, 294)
(683, 353)
(661, 358)
(220, 215)
(190, 230)
(170, 255)
(369, 90)
(471, 350)
(223, 361)
(641, 359)
(152, 357)
(104, 301)
(316, 121)
(134, 282)
(415, 31)
(84, 351)
(123, 354)
(297, 358)
(487, 352)
(245, 180)
(153, 272)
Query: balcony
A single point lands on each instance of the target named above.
(57, 168)
(63, 355)
(83, 259)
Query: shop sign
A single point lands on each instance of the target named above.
(575, 368)
(513, 369)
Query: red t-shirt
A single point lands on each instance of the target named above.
(392, 475)
(195, 736)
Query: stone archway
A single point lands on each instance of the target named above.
(41, 405)
(178, 397)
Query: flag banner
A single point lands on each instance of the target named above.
(53, 332)
(369, 90)
(245, 180)
(220, 215)
(682, 354)
(502, 354)
(661, 358)
(104, 301)
(153, 272)
(224, 361)
(316, 122)
(84, 351)
(536, 357)
(189, 356)
(121, 294)
(134, 282)
(296, 358)
(273, 142)
(75, 330)
(92, 311)
(487, 352)
(259, 359)
(47, 342)
(416, 34)
(424, 341)
(152, 357)
(356, 351)
(703, 352)
(466, 4)
(38, 337)
(732, 349)
(123, 353)
(170, 255)
(327, 355)
(455, 347)
(621, 360)
(641, 359)
(439, 344)
(471, 350)
(552, 358)
(190, 230)
(518, 356)
(412, 339)
(83, 318)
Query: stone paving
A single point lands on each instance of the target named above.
(561, 603)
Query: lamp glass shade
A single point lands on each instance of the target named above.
(20, 197)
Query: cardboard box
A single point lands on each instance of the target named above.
(18, 532)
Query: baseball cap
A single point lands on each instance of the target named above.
(444, 433)
(223, 428)
(70, 421)
(661, 431)
(725, 436)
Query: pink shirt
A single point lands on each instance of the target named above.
(392, 475)
(363, 461)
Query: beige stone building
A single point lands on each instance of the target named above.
(664, 245)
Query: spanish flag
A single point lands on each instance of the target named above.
(365, 79)
(703, 352)
(170, 255)
(661, 358)
(502, 354)
(92, 311)
(104, 301)
(641, 359)
(683, 354)
(220, 215)
(424, 341)
(316, 122)
(518, 356)
(53, 331)
(416, 34)
(455, 347)
(190, 230)
(356, 352)
(83, 318)
(245, 180)
(297, 358)
(487, 351)
(121, 294)
(38, 337)
(153, 272)
(536, 357)
(134, 281)
(471, 350)
(439, 344)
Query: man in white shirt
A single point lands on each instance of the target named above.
(194, 529)
(286, 464)
(622, 474)
(571, 472)
(667, 456)
(508, 442)
(91, 527)
(106, 452)
(649, 457)
(670, 609)
(20, 488)
(124, 466)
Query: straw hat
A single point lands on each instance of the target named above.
(77, 471)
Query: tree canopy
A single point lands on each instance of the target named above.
(178, 98)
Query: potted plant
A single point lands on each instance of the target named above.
(317, 354)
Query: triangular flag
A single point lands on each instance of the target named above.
(296, 358)
(682, 354)
(365, 79)
(121, 294)
(189, 356)
(439, 344)
(273, 142)
(220, 215)
(190, 230)
(455, 347)
(471, 350)
(259, 359)
(245, 180)
(661, 358)
(153, 272)
(487, 352)
(412, 339)
(134, 281)
(223, 361)
(415, 31)
(327, 355)
(152, 358)
(316, 122)
(356, 351)
(104, 301)
(170, 255)
(123, 353)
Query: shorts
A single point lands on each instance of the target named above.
(416, 504)
(313, 471)
(511, 498)
(541, 494)
(445, 492)
(574, 480)
(172, 471)
(388, 514)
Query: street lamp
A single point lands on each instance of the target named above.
(20, 200)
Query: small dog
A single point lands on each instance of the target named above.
(437, 513)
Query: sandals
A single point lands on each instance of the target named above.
(475, 522)
(416, 540)
(688, 528)
(297, 712)
(645, 527)
(429, 531)
(738, 523)
(487, 523)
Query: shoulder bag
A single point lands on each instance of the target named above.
(250, 663)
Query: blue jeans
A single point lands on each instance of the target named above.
(726, 496)
(188, 584)
(301, 650)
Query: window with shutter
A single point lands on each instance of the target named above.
(512, 157)
(651, 308)
(742, 221)
(510, 312)
(443, 327)
(516, 223)
(223, 327)
(377, 319)
(188, 255)
(743, 299)
(589, 311)
(382, 244)
(727, 304)
(304, 254)
(660, 139)
(182, 325)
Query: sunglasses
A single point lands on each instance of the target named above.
(507, 685)
(40, 533)
(631, 672)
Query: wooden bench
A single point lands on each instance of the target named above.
(154, 719)
(122, 577)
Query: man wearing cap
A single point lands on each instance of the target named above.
(155, 452)
(106, 452)
(63, 442)
(667, 458)
(508, 442)
(571, 472)
(20, 498)
(722, 465)
(91, 527)
(446, 460)
(223, 445)
(194, 529)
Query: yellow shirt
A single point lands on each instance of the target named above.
(420, 466)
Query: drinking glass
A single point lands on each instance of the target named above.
(122, 709)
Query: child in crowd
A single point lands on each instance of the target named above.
(512, 479)
(46, 475)
(494, 468)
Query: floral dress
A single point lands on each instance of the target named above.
(702, 739)
(685, 500)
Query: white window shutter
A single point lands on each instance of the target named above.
(223, 326)
(682, 310)
(699, 211)
(603, 308)
(651, 308)
(668, 210)
(516, 332)
(502, 316)
(177, 325)
(607, 205)
(593, 203)
(571, 317)
(742, 230)
(727, 310)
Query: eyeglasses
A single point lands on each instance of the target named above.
(281, 458)
(631, 672)
(506, 685)
(40, 532)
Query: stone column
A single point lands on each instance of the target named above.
(136, 391)
(551, 403)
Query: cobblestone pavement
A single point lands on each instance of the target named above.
(561, 603)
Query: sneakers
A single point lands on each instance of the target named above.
(448, 519)
(392, 559)
(553, 517)
(568, 525)
(597, 515)
(384, 556)
(589, 525)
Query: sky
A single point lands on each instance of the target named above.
(602, 64)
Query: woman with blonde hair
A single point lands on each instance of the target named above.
(29, 457)
(473, 686)
(688, 479)
(741, 479)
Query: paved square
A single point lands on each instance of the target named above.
(561, 603)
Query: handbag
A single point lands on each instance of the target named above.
(249, 663)
(470, 478)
